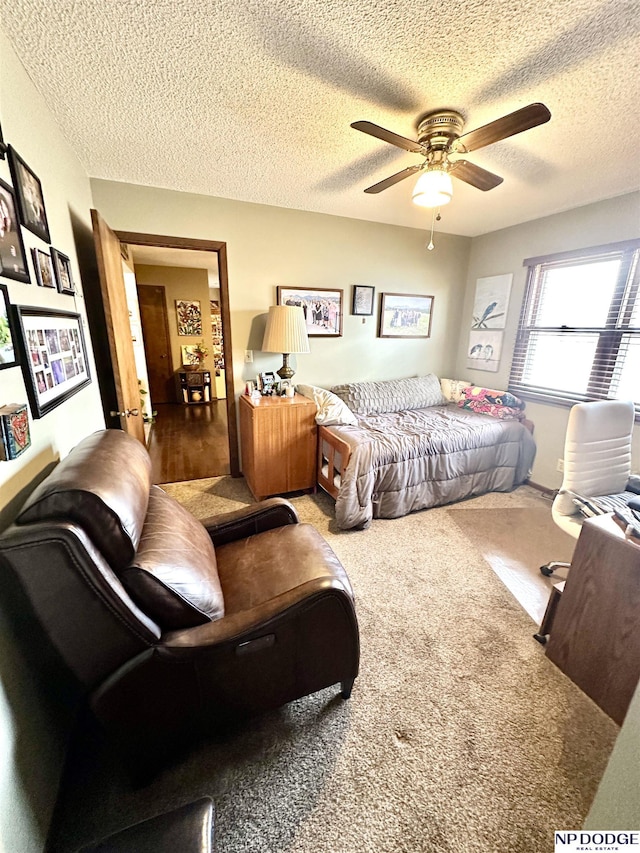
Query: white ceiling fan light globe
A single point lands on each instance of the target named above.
(433, 189)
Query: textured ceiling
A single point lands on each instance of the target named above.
(252, 99)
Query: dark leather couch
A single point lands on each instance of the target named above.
(172, 626)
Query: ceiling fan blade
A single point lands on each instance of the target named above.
(388, 136)
(501, 128)
(474, 175)
(394, 179)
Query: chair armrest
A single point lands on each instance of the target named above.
(263, 617)
(188, 829)
(249, 520)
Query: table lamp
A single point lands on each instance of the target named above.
(286, 332)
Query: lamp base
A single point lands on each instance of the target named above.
(286, 372)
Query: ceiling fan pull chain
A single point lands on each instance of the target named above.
(431, 247)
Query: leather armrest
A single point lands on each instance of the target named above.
(238, 625)
(188, 829)
(249, 520)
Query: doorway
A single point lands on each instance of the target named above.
(195, 432)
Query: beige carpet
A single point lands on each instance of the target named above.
(460, 735)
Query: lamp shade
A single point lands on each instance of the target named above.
(433, 189)
(286, 330)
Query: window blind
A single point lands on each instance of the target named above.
(579, 331)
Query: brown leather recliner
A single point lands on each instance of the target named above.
(172, 625)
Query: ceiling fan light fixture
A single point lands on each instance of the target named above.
(433, 189)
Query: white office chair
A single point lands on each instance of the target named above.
(597, 464)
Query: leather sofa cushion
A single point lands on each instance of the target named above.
(102, 485)
(173, 577)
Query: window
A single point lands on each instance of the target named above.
(579, 332)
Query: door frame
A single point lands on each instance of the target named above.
(135, 238)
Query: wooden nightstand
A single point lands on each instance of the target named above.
(278, 440)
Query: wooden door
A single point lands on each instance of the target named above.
(157, 346)
(116, 313)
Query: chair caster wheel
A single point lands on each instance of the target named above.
(546, 571)
(541, 638)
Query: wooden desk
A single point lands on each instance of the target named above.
(595, 638)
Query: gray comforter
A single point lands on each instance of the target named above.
(414, 459)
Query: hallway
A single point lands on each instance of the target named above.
(189, 442)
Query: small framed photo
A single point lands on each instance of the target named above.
(405, 315)
(13, 261)
(362, 300)
(8, 343)
(29, 196)
(267, 383)
(44, 268)
(322, 309)
(62, 271)
(54, 356)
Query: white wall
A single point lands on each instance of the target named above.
(270, 246)
(32, 735)
(503, 252)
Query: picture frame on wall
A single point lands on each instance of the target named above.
(322, 308)
(43, 268)
(13, 260)
(189, 317)
(362, 300)
(33, 214)
(8, 344)
(405, 315)
(53, 355)
(62, 271)
(3, 147)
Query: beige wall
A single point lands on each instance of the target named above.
(181, 283)
(32, 733)
(503, 252)
(270, 246)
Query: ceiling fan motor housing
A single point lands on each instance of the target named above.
(438, 131)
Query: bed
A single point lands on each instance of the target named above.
(398, 447)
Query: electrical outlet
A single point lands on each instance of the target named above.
(248, 356)
(560, 465)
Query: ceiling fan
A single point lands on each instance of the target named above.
(439, 137)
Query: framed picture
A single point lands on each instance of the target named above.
(189, 317)
(8, 346)
(44, 268)
(3, 147)
(13, 261)
(405, 315)
(54, 356)
(362, 300)
(485, 349)
(322, 309)
(29, 196)
(62, 271)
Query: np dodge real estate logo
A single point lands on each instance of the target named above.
(583, 841)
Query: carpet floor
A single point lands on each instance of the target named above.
(459, 736)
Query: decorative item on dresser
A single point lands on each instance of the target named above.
(278, 439)
(194, 385)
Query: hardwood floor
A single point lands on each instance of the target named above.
(189, 442)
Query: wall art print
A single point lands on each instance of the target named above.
(488, 321)
(13, 261)
(54, 356)
(405, 315)
(322, 308)
(33, 214)
(189, 317)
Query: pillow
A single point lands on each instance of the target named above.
(486, 401)
(173, 577)
(331, 409)
(391, 395)
(453, 389)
